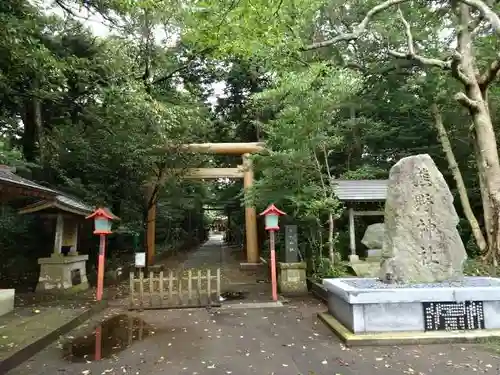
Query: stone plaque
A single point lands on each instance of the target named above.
(453, 316)
(291, 244)
(76, 277)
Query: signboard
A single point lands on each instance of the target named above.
(453, 316)
(140, 260)
(291, 244)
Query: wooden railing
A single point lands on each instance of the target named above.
(169, 289)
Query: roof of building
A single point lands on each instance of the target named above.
(361, 190)
(59, 202)
(51, 198)
(25, 187)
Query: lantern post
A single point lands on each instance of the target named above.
(102, 227)
(271, 215)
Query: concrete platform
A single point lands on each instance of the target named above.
(27, 331)
(6, 301)
(405, 338)
(367, 306)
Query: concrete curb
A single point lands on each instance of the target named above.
(404, 338)
(23, 354)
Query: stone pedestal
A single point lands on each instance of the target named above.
(292, 278)
(369, 306)
(6, 301)
(60, 274)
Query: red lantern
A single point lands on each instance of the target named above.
(271, 215)
(102, 221)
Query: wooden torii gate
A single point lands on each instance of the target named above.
(244, 171)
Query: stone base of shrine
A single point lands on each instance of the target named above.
(63, 274)
(405, 337)
(292, 278)
(6, 301)
(370, 307)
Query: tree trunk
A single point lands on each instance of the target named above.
(331, 248)
(485, 198)
(33, 137)
(475, 101)
(489, 172)
(457, 176)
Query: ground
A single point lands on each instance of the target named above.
(288, 340)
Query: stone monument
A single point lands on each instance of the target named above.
(421, 239)
(421, 288)
(292, 272)
(373, 239)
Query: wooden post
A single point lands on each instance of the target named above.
(162, 292)
(100, 266)
(151, 234)
(250, 216)
(58, 238)
(132, 285)
(274, 283)
(352, 235)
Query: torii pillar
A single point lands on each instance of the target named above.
(243, 149)
(250, 215)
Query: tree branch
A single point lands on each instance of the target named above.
(358, 29)
(486, 12)
(181, 68)
(491, 74)
(456, 71)
(466, 101)
(411, 54)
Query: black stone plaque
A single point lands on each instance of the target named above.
(453, 316)
(291, 244)
(76, 277)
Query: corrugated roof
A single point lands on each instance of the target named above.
(7, 177)
(361, 190)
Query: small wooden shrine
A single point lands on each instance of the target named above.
(65, 269)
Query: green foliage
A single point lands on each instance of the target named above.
(325, 269)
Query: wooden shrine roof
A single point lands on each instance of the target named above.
(361, 190)
(10, 183)
(59, 203)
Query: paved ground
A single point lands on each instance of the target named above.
(288, 340)
(282, 341)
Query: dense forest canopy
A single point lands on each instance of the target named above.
(336, 89)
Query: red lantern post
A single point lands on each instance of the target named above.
(271, 215)
(102, 227)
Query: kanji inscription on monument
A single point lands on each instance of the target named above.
(291, 244)
(453, 316)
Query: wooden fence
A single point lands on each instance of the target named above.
(169, 289)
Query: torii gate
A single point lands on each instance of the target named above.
(244, 171)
